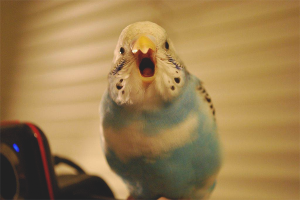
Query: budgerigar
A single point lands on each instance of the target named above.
(158, 127)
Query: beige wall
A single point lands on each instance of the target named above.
(55, 56)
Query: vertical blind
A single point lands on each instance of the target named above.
(55, 57)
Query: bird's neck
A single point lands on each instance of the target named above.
(154, 104)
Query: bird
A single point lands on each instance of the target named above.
(158, 127)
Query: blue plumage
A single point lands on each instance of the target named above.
(161, 146)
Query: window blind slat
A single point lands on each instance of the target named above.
(245, 52)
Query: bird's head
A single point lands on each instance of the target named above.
(146, 71)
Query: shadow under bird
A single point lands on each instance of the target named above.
(158, 126)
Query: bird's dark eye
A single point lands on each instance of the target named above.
(122, 50)
(166, 45)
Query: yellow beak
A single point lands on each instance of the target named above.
(143, 43)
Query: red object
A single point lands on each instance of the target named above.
(44, 158)
(37, 134)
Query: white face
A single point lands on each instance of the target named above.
(146, 72)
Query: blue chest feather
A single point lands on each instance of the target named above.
(175, 173)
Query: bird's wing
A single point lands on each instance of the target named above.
(202, 92)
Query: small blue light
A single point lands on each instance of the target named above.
(16, 147)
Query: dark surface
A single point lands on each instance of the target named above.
(27, 163)
(23, 173)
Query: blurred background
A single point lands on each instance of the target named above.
(55, 57)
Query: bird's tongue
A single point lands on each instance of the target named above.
(147, 72)
(146, 67)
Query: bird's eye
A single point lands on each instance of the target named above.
(166, 45)
(122, 50)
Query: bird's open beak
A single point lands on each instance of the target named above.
(143, 46)
(143, 43)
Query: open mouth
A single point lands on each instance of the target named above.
(147, 68)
